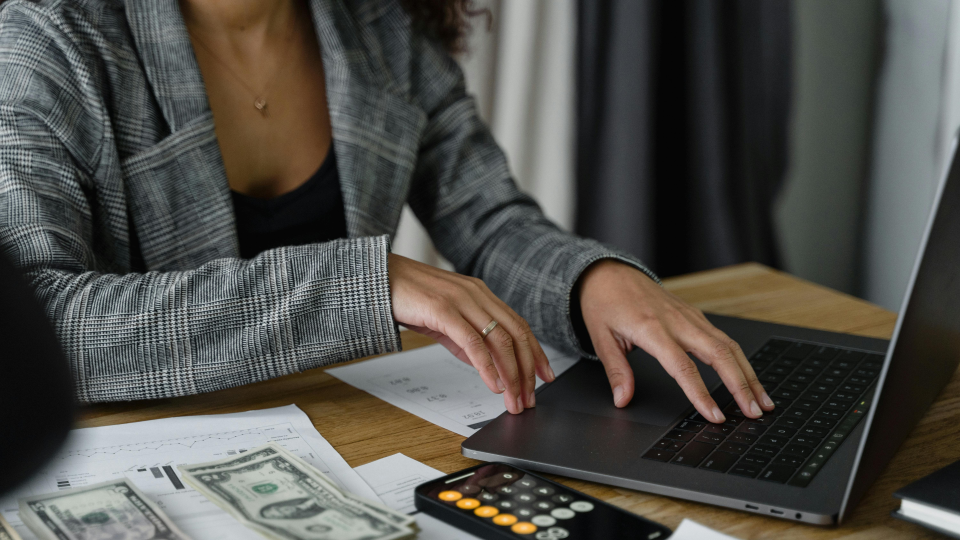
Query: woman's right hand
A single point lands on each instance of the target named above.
(453, 309)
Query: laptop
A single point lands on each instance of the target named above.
(845, 404)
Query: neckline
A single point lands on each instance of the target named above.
(328, 162)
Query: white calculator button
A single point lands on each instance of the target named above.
(543, 521)
(582, 506)
(558, 532)
(544, 535)
(562, 513)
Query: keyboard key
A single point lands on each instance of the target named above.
(758, 367)
(782, 431)
(813, 431)
(734, 448)
(846, 396)
(836, 372)
(770, 378)
(774, 440)
(678, 435)
(809, 370)
(825, 353)
(657, 454)
(733, 421)
(802, 378)
(756, 459)
(837, 404)
(720, 461)
(785, 393)
(807, 405)
(802, 414)
(777, 473)
(830, 379)
(816, 396)
(746, 469)
(688, 425)
(790, 461)
(719, 429)
(807, 440)
(786, 362)
(843, 364)
(751, 428)
(853, 388)
(778, 370)
(765, 450)
(798, 351)
(860, 380)
(819, 421)
(795, 386)
(830, 413)
(796, 449)
(693, 454)
(782, 402)
(710, 438)
(743, 438)
(813, 362)
(790, 422)
(825, 388)
(866, 373)
(765, 420)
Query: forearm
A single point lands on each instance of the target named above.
(227, 323)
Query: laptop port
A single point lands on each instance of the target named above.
(752, 507)
(777, 512)
(799, 515)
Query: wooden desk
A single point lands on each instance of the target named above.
(363, 428)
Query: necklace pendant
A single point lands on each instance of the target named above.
(261, 105)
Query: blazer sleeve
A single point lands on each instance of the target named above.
(158, 334)
(481, 222)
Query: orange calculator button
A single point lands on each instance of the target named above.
(524, 527)
(450, 495)
(468, 504)
(505, 519)
(486, 511)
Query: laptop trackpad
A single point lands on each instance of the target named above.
(657, 399)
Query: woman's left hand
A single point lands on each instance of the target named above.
(623, 308)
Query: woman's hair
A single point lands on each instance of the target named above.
(446, 21)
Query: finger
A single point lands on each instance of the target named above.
(501, 344)
(717, 354)
(523, 343)
(675, 361)
(748, 372)
(463, 334)
(618, 369)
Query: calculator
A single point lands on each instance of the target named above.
(497, 501)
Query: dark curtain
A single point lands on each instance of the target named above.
(682, 128)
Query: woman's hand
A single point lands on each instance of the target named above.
(453, 309)
(623, 308)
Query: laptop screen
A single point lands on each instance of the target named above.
(925, 349)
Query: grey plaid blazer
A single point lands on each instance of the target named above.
(105, 126)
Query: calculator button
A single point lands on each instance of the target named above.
(525, 498)
(507, 505)
(562, 513)
(469, 489)
(450, 496)
(506, 490)
(486, 496)
(468, 504)
(543, 520)
(486, 511)
(525, 512)
(558, 532)
(524, 527)
(563, 498)
(526, 483)
(543, 505)
(505, 519)
(581, 506)
(508, 476)
(544, 491)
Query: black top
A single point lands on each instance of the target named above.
(310, 214)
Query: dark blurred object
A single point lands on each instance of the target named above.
(36, 389)
(683, 110)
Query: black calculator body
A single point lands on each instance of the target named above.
(497, 501)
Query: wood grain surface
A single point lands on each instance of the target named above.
(363, 428)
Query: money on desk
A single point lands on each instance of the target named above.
(107, 511)
(7, 532)
(280, 496)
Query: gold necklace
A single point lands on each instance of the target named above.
(259, 99)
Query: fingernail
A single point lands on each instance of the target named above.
(617, 395)
(718, 416)
(766, 400)
(519, 404)
(550, 372)
(500, 385)
(532, 400)
(755, 409)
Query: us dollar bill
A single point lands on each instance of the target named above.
(280, 496)
(6, 531)
(114, 510)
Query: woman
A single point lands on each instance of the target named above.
(202, 193)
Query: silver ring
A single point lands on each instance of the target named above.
(488, 329)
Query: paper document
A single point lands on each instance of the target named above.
(691, 530)
(147, 454)
(394, 478)
(436, 386)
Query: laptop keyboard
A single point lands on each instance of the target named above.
(821, 394)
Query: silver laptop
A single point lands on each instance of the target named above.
(845, 404)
